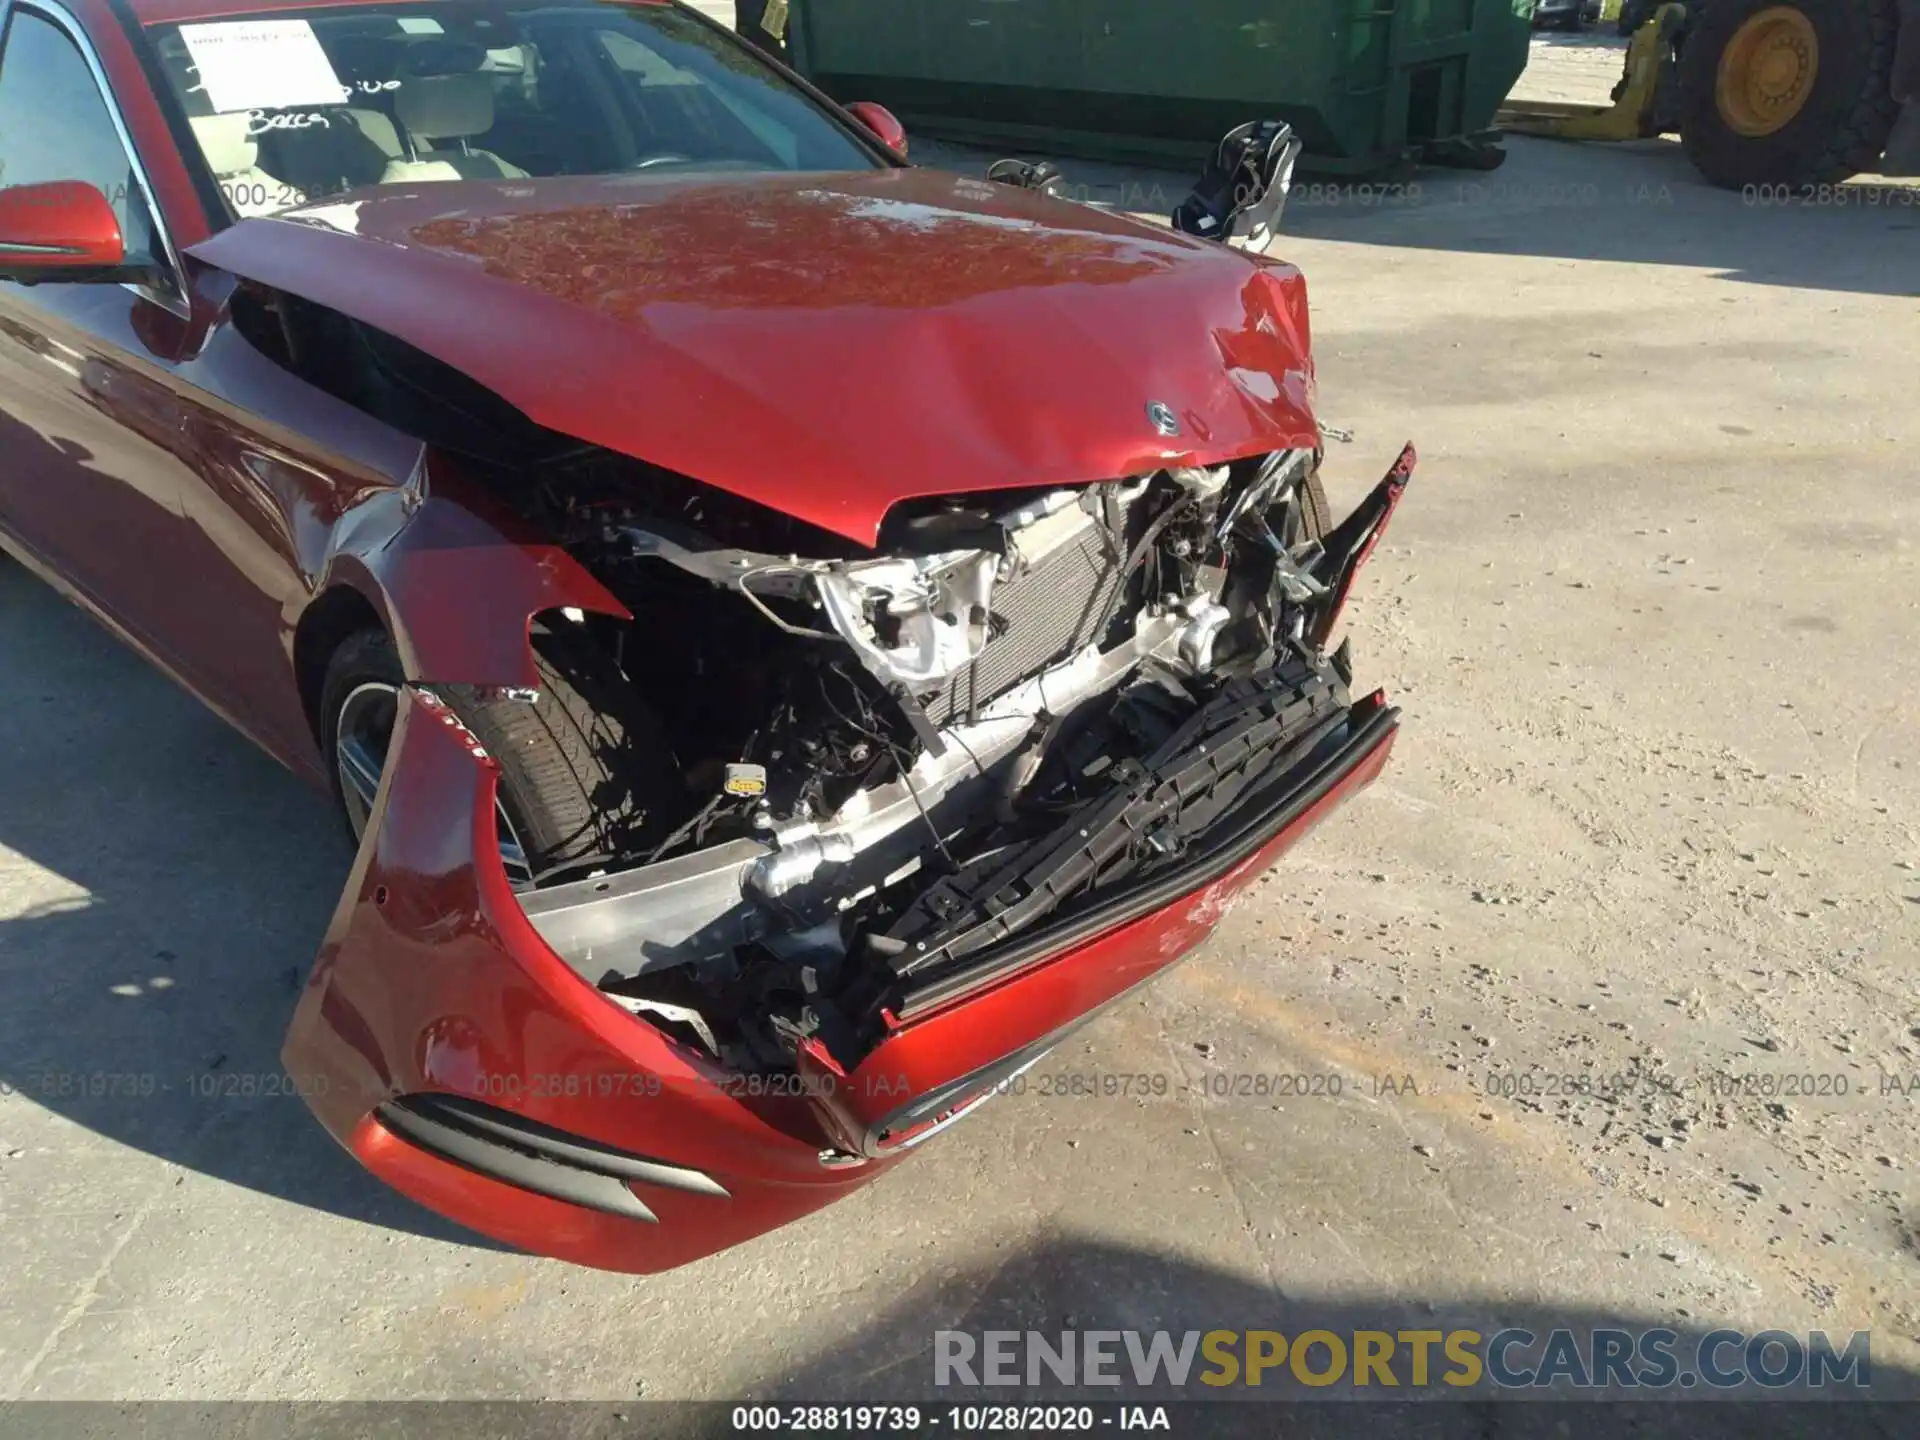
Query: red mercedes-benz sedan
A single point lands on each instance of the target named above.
(793, 634)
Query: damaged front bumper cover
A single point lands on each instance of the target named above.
(956, 1035)
(461, 1060)
(448, 1041)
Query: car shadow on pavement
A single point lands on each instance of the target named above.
(166, 888)
(1085, 1284)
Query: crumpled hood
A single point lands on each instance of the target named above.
(827, 345)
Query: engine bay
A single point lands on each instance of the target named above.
(893, 759)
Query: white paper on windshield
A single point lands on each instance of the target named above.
(261, 65)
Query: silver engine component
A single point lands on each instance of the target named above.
(936, 607)
(802, 852)
(1206, 618)
(973, 761)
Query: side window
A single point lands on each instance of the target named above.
(55, 125)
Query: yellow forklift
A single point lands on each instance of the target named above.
(1778, 93)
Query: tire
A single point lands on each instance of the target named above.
(1316, 516)
(1841, 128)
(586, 773)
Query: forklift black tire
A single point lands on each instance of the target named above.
(1732, 93)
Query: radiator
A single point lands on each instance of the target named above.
(1050, 608)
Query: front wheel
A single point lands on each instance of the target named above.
(586, 774)
(1795, 93)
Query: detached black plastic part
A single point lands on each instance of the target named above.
(1246, 182)
(1238, 835)
(1257, 733)
(1027, 175)
(1241, 192)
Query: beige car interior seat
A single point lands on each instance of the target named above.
(440, 116)
(233, 155)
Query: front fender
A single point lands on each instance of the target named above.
(456, 577)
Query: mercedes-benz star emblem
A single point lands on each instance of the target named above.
(1163, 418)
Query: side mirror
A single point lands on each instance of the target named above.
(882, 123)
(55, 229)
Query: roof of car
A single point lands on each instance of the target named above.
(171, 12)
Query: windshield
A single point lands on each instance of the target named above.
(305, 104)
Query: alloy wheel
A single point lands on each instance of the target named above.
(361, 739)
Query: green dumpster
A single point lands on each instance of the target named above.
(1366, 84)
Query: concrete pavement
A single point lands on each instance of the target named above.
(1652, 610)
